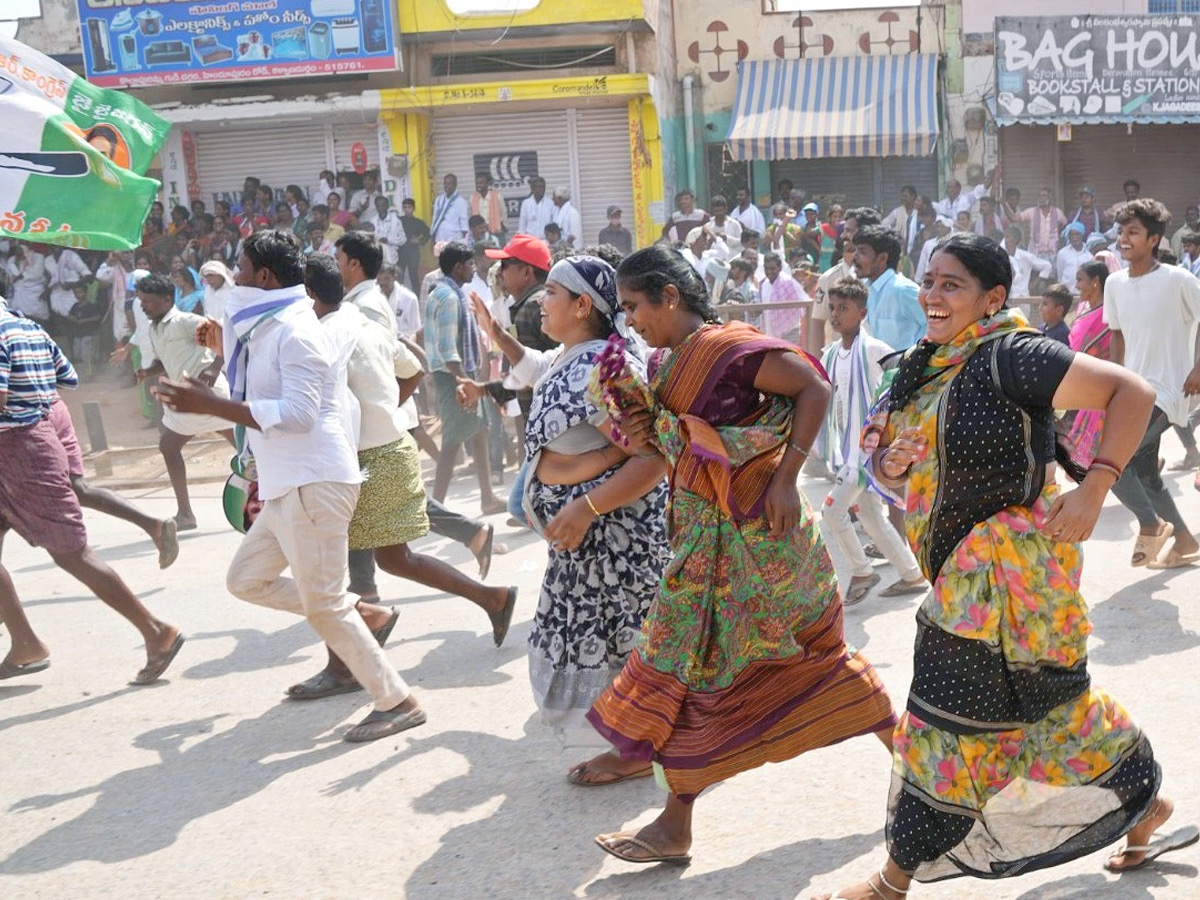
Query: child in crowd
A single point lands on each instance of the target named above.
(854, 364)
(554, 238)
(1056, 303)
(741, 276)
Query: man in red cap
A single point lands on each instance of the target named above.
(524, 265)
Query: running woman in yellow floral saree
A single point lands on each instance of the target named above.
(1007, 759)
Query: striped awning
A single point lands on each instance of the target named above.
(835, 106)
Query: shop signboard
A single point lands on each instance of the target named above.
(1098, 68)
(511, 173)
(140, 43)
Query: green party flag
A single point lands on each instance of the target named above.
(73, 157)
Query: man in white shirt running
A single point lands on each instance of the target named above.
(1152, 311)
(291, 405)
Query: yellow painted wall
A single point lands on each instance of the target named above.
(410, 137)
(434, 16)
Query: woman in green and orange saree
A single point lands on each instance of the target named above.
(742, 659)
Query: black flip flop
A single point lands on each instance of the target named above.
(323, 684)
(383, 723)
(14, 670)
(384, 631)
(500, 630)
(484, 556)
(154, 668)
(1159, 845)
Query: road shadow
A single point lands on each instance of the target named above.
(780, 873)
(254, 650)
(142, 810)
(1130, 886)
(460, 659)
(8, 691)
(1137, 623)
(80, 598)
(45, 715)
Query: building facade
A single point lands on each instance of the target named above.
(1089, 96)
(808, 97)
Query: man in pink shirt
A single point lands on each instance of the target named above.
(1046, 221)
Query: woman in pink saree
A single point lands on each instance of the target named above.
(1089, 335)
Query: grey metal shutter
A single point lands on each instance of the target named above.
(898, 171)
(1027, 161)
(1161, 157)
(279, 155)
(848, 181)
(512, 146)
(605, 174)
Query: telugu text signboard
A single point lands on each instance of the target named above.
(139, 44)
(1098, 69)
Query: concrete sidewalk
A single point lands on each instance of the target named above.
(210, 785)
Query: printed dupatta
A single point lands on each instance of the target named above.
(730, 465)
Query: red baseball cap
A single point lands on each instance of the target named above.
(527, 249)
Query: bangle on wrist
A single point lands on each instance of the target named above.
(1105, 467)
(591, 505)
(1101, 462)
(803, 453)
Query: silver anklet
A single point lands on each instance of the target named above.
(891, 887)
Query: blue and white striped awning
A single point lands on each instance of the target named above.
(835, 106)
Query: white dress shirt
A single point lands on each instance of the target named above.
(904, 223)
(295, 386)
(567, 218)
(750, 217)
(407, 307)
(963, 202)
(367, 296)
(1024, 264)
(1067, 263)
(362, 204)
(729, 234)
(452, 226)
(535, 216)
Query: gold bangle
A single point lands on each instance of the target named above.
(591, 505)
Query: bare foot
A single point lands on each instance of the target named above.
(649, 844)
(1140, 835)
(1185, 544)
(868, 890)
(608, 768)
(374, 616)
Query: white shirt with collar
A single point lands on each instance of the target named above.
(362, 204)
(1067, 263)
(965, 201)
(296, 388)
(535, 216)
(568, 219)
(1024, 264)
(452, 225)
(751, 217)
(407, 307)
(367, 296)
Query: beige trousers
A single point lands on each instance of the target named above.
(306, 529)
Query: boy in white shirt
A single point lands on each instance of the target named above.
(854, 366)
(1152, 311)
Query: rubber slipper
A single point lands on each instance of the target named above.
(1174, 560)
(13, 670)
(384, 631)
(484, 556)
(168, 548)
(575, 776)
(382, 723)
(154, 668)
(1147, 546)
(904, 588)
(323, 684)
(1177, 840)
(503, 619)
(656, 855)
(859, 588)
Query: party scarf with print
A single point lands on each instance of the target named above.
(248, 308)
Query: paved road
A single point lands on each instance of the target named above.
(211, 786)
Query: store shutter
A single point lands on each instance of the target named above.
(513, 147)
(898, 171)
(279, 155)
(605, 173)
(848, 181)
(1161, 157)
(346, 135)
(1027, 160)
